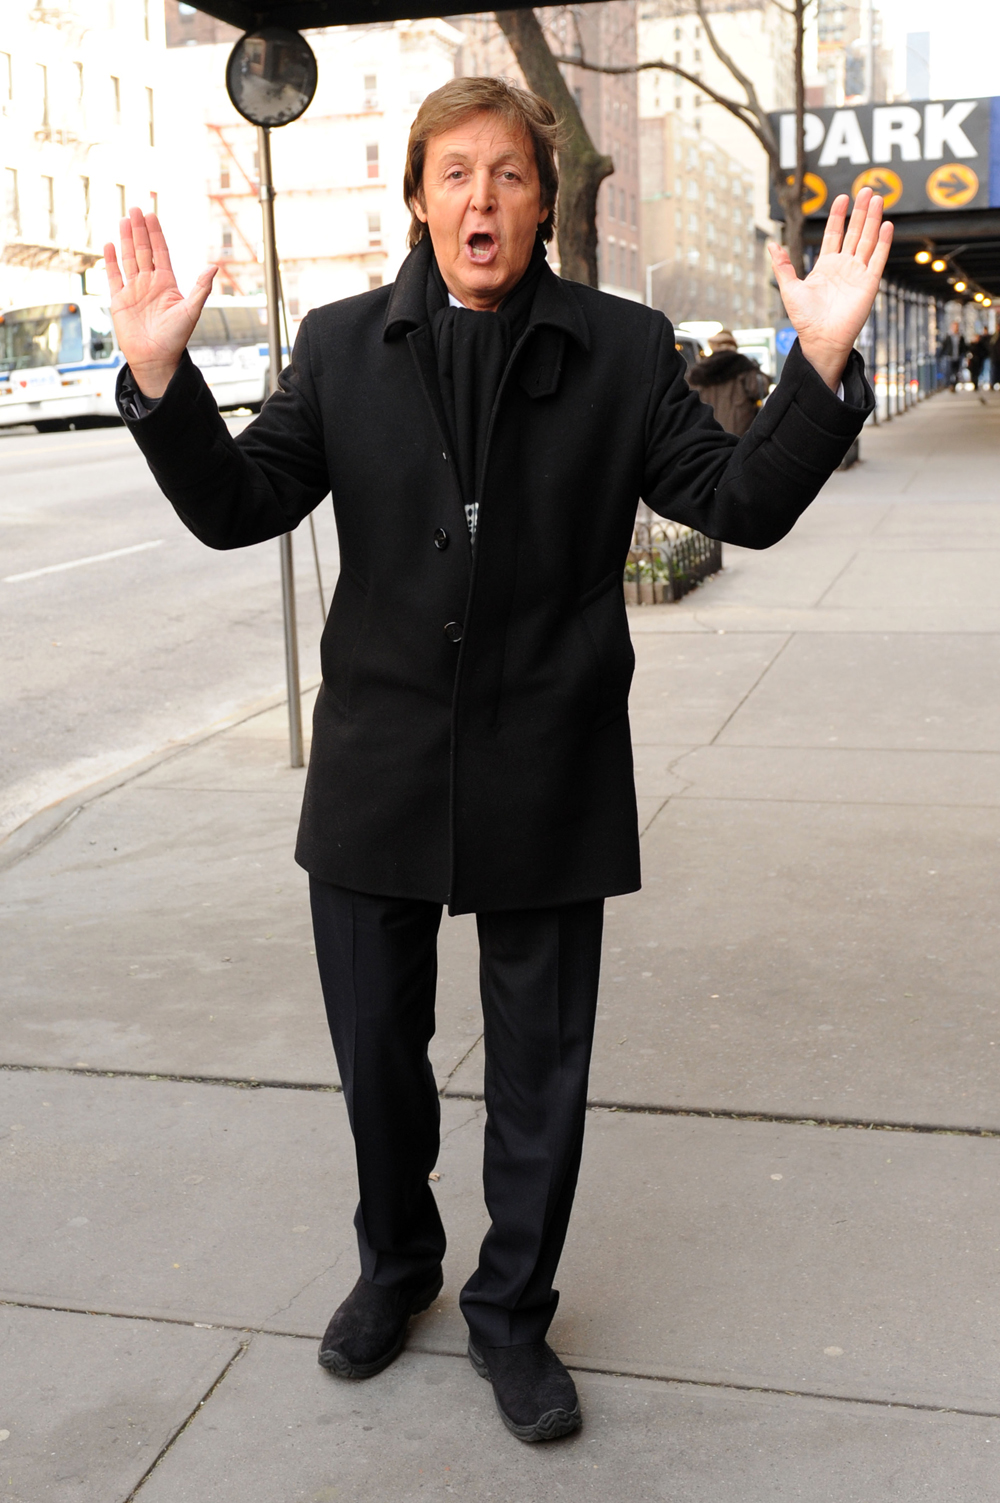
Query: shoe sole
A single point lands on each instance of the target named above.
(552, 1425)
(342, 1367)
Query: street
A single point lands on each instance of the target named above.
(108, 660)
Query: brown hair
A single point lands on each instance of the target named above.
(454, 102)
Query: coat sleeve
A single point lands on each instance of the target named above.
(752, 490)
(231, 492)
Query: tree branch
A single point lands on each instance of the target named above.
(765, 133)
(743, 112)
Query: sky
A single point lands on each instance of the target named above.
(965, 43)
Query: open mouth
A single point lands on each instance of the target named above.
(481, 248)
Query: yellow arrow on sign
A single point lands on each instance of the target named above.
(952, 186)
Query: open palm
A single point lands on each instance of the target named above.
(153, 319)
(829, 307)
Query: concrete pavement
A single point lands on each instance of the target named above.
(781, 1278)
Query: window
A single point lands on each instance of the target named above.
(85, 209)
(692, 224)
(678, 57)
(635, 270)
(120, 188)
(49, 203)
(149, 117)
(710, 231)
(622, 207)
(710, 261)
(42, 84)
(678, 220)
(116, 100)
(692, 189)
(371, 154)
(697, 54)
(677, 33)
(6, 80)
(227, 243)
(374, 231)
(371, 91)
(78, 70)
(710, 200)
(11, 202)
(634, 220)
(154, 200)
(374, 280)
(224, 177)
(578, 97)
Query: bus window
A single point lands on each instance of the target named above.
(102, 342)
(49, 335)
(247, 325)
(210, 329)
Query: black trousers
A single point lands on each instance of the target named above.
(539, 971)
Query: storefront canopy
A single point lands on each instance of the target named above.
(936, 163)
(303, 14)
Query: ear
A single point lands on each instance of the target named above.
(543, 216)
(418, 208)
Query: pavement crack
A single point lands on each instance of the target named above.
(307, 1285)
(752, 689)
(227, 1369)
(452, 1073)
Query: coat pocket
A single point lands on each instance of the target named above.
(342, 634)
(602, 611)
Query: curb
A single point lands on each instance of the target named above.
(45, 824)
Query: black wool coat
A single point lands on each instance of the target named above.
(471, 738)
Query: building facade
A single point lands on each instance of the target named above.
(704, 254)
(604, 33)
(81, 128)
(341, 222)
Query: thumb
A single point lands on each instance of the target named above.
(199, 292)
(781, 262)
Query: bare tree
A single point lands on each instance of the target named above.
(582, 168)
(789, 189)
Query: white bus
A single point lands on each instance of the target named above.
(59, 361)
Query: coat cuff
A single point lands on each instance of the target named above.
(154, 421)
(810, 425)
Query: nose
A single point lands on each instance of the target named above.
(483, 196)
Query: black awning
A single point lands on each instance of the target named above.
(300, 15)
(969, 242)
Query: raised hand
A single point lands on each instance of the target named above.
(153, 319)
(829, 308)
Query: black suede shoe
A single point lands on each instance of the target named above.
(534, 1393)
(369, 1328)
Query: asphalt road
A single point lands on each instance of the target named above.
(113, 658)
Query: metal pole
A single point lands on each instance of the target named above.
(285, 541)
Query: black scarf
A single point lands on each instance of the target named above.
(472, 354)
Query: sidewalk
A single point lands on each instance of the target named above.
(781, 1278)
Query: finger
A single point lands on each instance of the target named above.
(158, 244)
(870, 233)
(834, 232)
(140, 235)
(857, 221)
(880, 254)
(129, 265)
(115, 280)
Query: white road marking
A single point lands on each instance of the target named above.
(76, 563)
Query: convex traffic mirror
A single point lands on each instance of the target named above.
(271, 76)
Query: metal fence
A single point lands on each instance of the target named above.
(666, 560)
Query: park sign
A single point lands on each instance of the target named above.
(923, 157)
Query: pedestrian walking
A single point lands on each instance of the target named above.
(733, 385)
(486, 429)
(952, 351)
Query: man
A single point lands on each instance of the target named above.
(953, 350)
(733, 385)
(486, 430)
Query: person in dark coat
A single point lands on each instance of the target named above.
(733, 385)
(486, 430)
(952, 351)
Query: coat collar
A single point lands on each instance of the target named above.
(554, 306)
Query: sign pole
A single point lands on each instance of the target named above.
(285, 541)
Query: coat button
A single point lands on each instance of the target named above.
(453, 631)
(441, 538)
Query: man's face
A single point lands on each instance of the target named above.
(481, 201)
(954, 328)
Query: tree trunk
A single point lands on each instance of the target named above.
(582, 168)
(792, 201)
